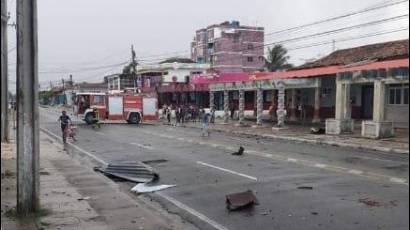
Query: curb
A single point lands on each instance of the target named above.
(316, 142)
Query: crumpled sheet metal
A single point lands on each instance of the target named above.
(137, 172)
(238, 201)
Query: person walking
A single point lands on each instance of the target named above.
(212, 121)
(168, 114)
(64, 120)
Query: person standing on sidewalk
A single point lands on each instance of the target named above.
(205, 123)
(64, 120)
(212, 115)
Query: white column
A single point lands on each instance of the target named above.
(281, 109)
(241, 106)
(259, 106)
(379, 101)
(346, 102)
(316, 112)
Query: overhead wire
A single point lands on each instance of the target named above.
(368, 9)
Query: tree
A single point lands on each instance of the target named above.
(277, 59)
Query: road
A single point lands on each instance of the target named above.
(205, 171)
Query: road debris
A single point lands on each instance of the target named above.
(238, 201)
(158, 161)
(305, 187)
(84, 198)
(132, 171)
(317, 131)
(239, 152)
(147, 188)
(369, 202)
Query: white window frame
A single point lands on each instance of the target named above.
(395, 88)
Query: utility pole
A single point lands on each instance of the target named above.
(4, 74)
(333, 45)
(28, 183)
(134, 66)
(64, 95)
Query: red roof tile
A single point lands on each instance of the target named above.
(374, 52)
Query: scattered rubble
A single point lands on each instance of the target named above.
(369, 202)
(305, 187)
(147, 188)
(238, 201)
(239, 152)
(151, 162)
(135, 172)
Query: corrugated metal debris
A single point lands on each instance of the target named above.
(132, 171)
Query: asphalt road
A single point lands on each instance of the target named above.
(205, 171)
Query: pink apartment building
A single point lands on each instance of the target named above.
(229, 47)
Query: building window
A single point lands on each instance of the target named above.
(250, 59)
(399, 95)
(406, 96)
(98, 100)
(250, 47)
(236, 38)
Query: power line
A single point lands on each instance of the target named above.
(349, 38)
(296, 28)
(343, 29)
(85, 69)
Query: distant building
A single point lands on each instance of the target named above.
(164, 80)
(229, 47)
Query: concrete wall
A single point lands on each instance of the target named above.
(398, 114)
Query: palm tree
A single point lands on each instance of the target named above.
(277, 59)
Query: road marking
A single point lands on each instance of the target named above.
(100, 133)
(227, 170)
(320, 165)
(399, 180)
(293, 160)
(193, 212)
(307, 163)
(76, 147)
(356, 172)
(142, 146)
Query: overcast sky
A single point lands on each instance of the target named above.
(78, 34)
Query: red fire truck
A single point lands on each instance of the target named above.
(127, 107)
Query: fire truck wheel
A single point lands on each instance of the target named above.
(89, 118)
(134, 118)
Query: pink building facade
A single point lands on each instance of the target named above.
(230, 47)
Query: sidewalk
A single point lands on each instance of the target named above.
(73, 196)
(299, 133)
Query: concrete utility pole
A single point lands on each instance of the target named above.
(134, 66)
(28, 183)
(4, 74)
